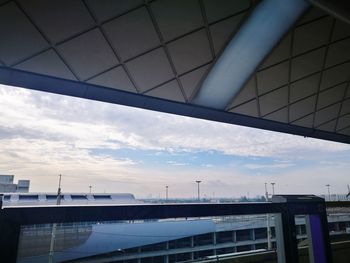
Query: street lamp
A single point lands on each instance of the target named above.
(269, 243)
(166, 192)
(329, 192)
(90, 186)
(198, 182)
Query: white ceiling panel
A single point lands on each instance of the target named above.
(273, 77)
(176, 18)
(341, 30)
(345, 107)
(191, 80)
(346, 131)
(115, 78)
(311, 15)
(190, 52)
(279, 53)
(280, 115)
(273, 100)
(248, 92)
(47, 63)
(58, 19)
(307, 64)
(307, 121)
(312, 35)
(326, 114)
(304, 87)
(343, 122)
(331, 96)
(329, 126)
(249, 108)
(222, 31)
(215, 11)
(169, 91)
(18, 30)
(106, 9)
(335, 75)
(88, 54)
(151, 69)
(302, 108)
(338, 52)
(132, 34)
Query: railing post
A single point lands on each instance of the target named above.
(9, 237)
(287, 247)
(318, 238)
(316, 223)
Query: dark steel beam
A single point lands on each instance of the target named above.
(339, 9)
(24, 79)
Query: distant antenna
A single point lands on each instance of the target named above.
(59, 191)
(54, 225)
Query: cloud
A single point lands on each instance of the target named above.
(42, 135)
(177, 163)
(256, 166)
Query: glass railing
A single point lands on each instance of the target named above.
(265, 232)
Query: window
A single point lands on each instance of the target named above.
(102, 197)
(28, 197)
(79, 197)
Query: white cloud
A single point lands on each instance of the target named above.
(255, 166)
(42, 135)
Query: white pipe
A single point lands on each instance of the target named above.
(262, 30)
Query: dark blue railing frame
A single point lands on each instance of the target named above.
(12, 218)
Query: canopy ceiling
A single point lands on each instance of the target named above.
(156, 55)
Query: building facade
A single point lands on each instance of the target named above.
(7, 184)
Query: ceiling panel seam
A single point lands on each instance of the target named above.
(325, 122)
(346, 127)
(52, 46)
(206, 25)
(172, 79)
(291, 49)
(329, 42)
(322, 108)
(115, 52)
(165, 48)
(303, 53)
(292, 82)
(256, 94)
(341, 105)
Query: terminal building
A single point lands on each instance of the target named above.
(274, 65)
(7, 185)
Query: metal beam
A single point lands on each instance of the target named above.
(263, 29)
(24, 79)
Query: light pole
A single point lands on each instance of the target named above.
(329, 192)
(166, 192)
(273, 188)
(198, 182)
(266, 193)
(90, 188)
(269, 243)
(54, 225)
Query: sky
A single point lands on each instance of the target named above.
(116, 148)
